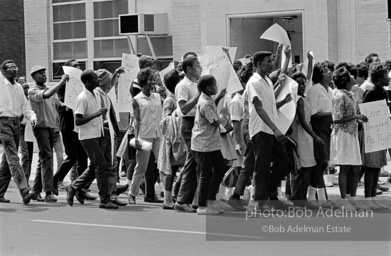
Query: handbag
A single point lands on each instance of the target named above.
(230, 178)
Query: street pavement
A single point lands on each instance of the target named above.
(145, 229)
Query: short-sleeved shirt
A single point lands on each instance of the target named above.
(320, 98)
(344, 106)
(186, 90)
(205, 137)
(45, 109)
(263, 89)
(87, 104)
(151, 114)
(236, 108)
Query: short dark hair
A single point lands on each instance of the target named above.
(341, 77)
(189, 53)
(329, 65)
(4, 64)
(298, 75)
(247, 72)
(144, 75)
(387, 64)
(368, 59)
(188, 62)
(68, 63)
(237, 65)
(260, 56)
(171, 79)
(376, 71)
(350, 67)
(204, 82)
(86, 75)
(362, 70)
(319, 68)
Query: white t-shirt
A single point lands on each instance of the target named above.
(186, 90)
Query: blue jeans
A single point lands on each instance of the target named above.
(9, 165)
(46, 139)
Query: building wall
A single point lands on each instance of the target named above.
(37, 35)
(186, 27)
(12, 41)
(373, 29)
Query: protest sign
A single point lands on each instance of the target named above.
(287, 112)
(130, 64)
(377, 129)
(74, 86)
(114, 101)
(165, 71)
(29, 134)
(215, 62)
(278, 34)
(5, 98)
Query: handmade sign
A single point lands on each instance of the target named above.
(287, 112)
(130, 64)
(278, 34)
(74, 86)
(216, 62)
(377, 130)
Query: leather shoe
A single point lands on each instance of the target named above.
(108, 205)
(38, 197)
(152, 199)
(70, 194)
(88, 196)
(121, 189)
(27, 197)
(118, 202)
(80, 197)
(3, 200)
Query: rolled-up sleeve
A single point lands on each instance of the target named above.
(36, 94)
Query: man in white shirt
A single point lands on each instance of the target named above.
(10, 132)
(88, 117)
(268, 141)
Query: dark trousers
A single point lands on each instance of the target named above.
(9, 165)
(246, 172)
(189, 174)
(46, 138)
(212, 168)
(26, 150)
(98, 168)
(266, 150)
(303, 178)
(76, 157)
(151, 176)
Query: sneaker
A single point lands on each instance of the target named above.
(183, 208)
(61, 185)
(236, 204)
(325, 204)
(213, 204)
(207, 211)
(131, 199)
(313, 204)
(50, 198)
(359, 205)
(168, 207)
(371, 205)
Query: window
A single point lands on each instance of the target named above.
(161, 44)
(69, 33)
(106, 17)
(110, 48)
